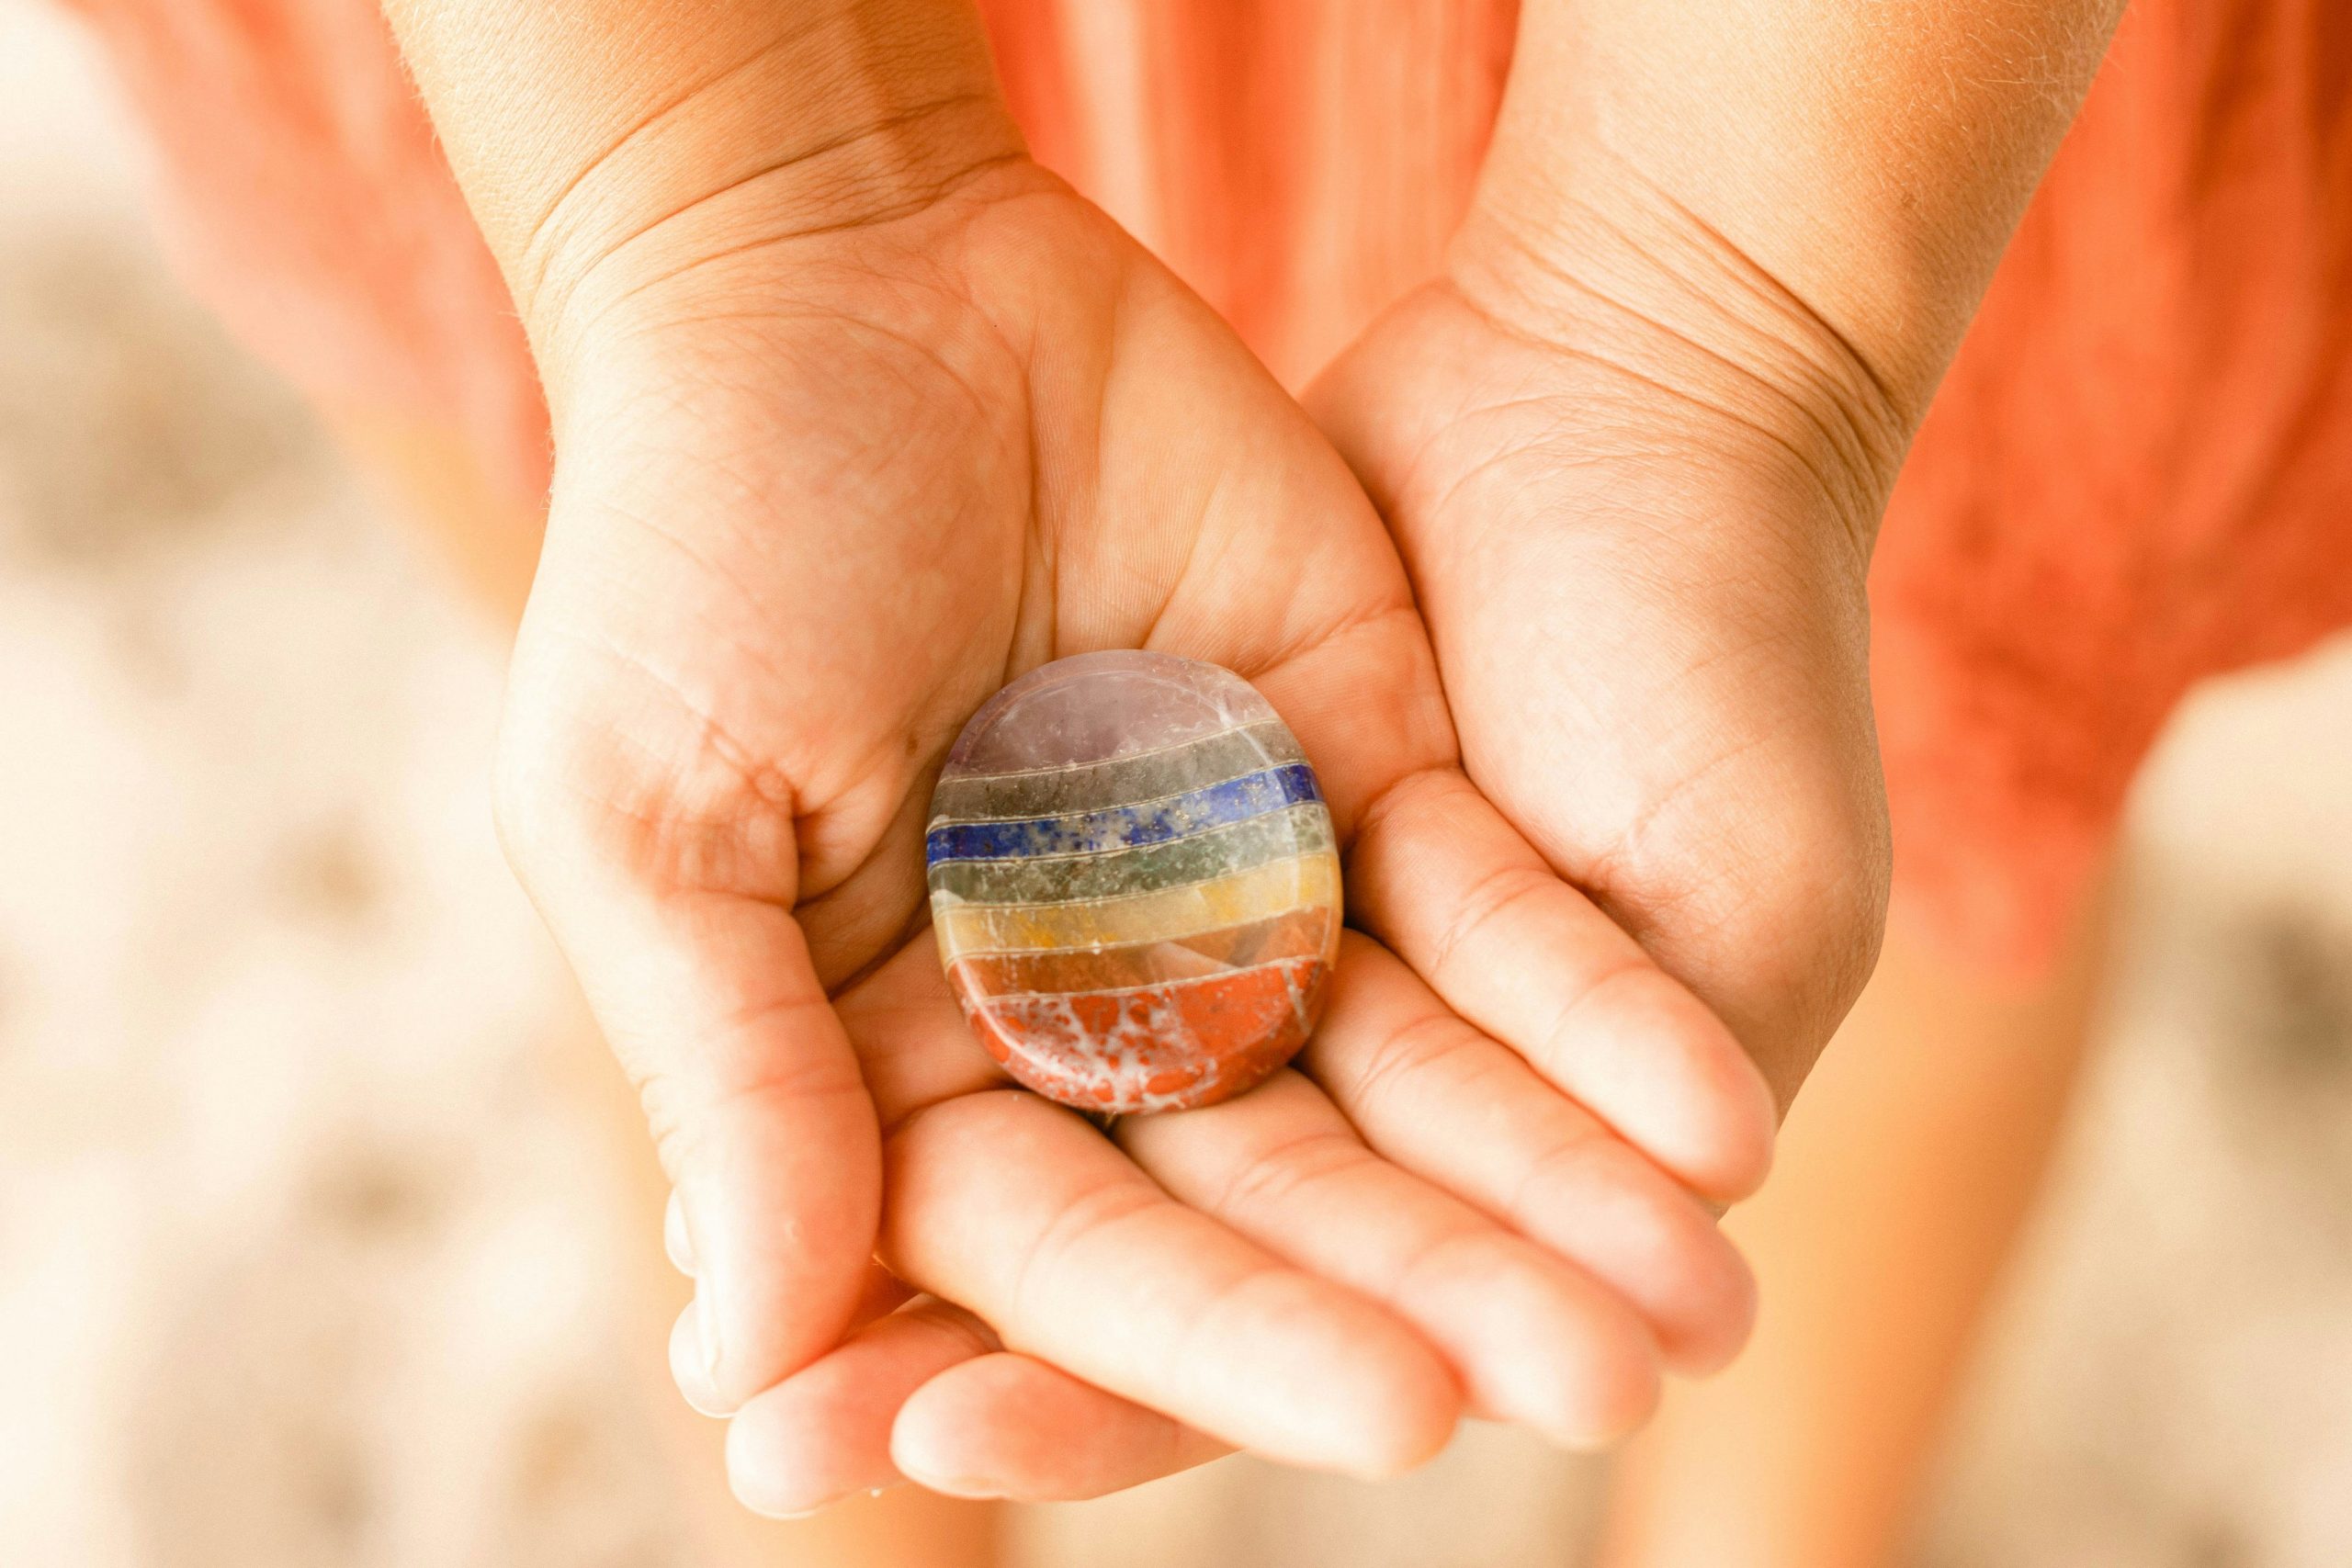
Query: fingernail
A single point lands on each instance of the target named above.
(768, 1495)
(690, 1363)
(942, 1480)
(676, 1240)
(706, 1330)
(785, 1515)
(771, 1511)
(798, 1511)
(972, 1488)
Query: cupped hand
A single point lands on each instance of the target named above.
(818, 493)
(1634, 483)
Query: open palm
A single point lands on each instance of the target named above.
(817, 495)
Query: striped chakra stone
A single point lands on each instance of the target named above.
(1134, 882)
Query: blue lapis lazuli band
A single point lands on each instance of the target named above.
(1122, 827)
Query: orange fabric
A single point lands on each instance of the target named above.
(303, 194)
(2137, 474)
(1300, 163)
(2139, 471)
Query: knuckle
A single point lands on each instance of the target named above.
(1387, 1078)
(1269, 1180)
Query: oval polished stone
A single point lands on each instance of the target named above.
(1134, 882)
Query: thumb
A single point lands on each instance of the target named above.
(752, 1095)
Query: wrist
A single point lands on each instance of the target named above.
(1697, 334)
(607, 145)
(1868, 158)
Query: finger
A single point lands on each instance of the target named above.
(755, 1103)
(824, 1432)
(1535, 1340)
(1454, 889)
(1435, 871)
(1003, 1425)
(884, 1294)
(1010, 1425)
(1448, 885)
(1431, 1093)
(913, 1047)
(1022, 1211)
(677, 1244)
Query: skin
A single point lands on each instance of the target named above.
(1718, 260)
(858, 414)
(845, 442)
(1653, 400)
(1659, 394)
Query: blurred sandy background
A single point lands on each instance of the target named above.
(311, 1248)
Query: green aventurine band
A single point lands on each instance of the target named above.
(1062, 879)
(1123, 781)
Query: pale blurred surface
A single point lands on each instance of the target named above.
(312, 1251)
